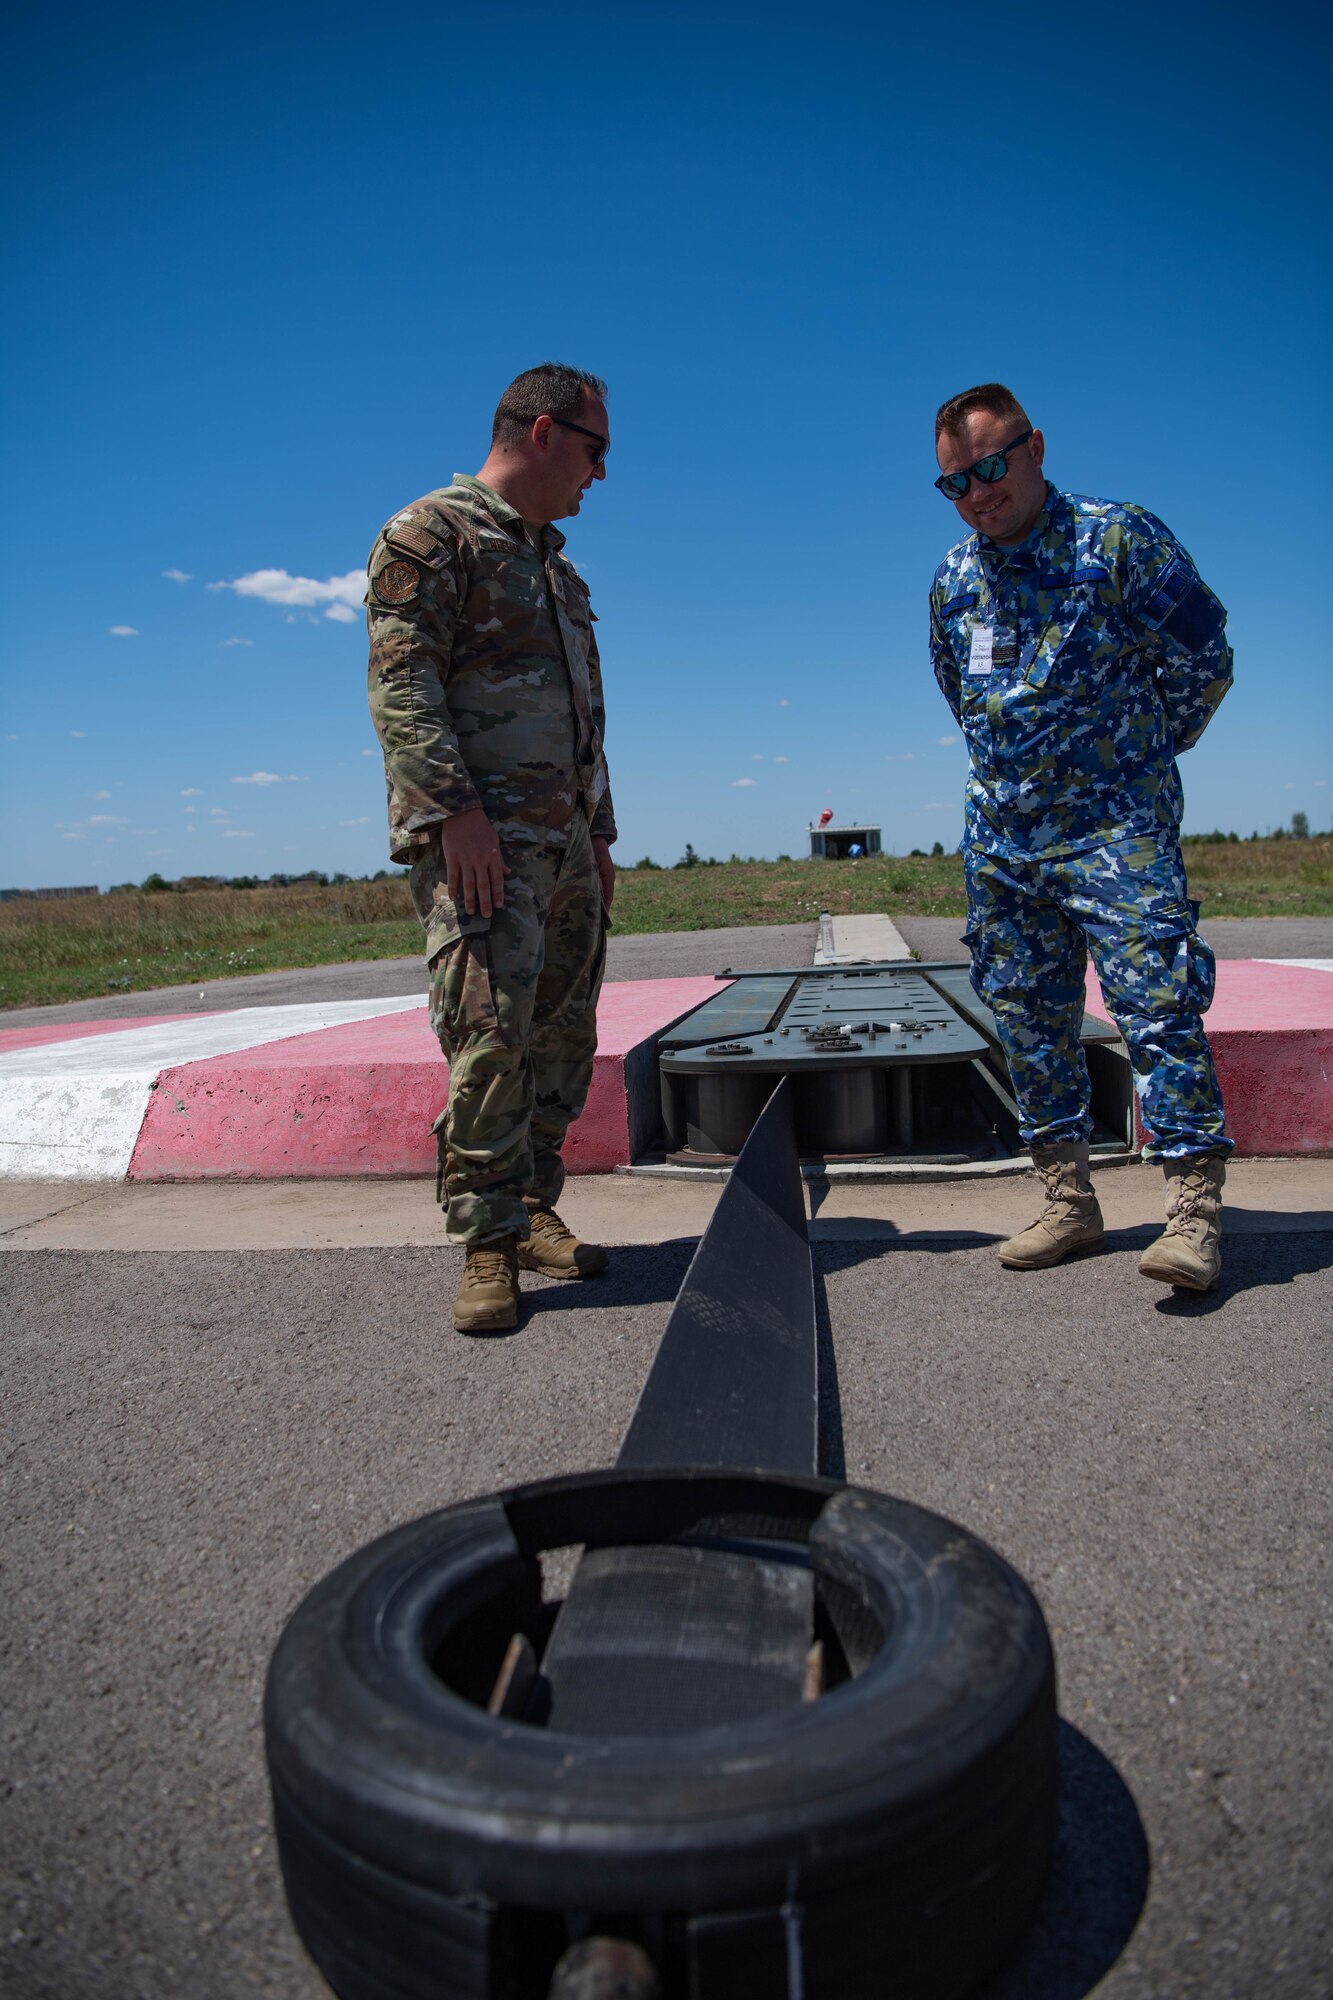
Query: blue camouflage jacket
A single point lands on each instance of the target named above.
(1107, 655)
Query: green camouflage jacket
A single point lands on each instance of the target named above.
(485, 685)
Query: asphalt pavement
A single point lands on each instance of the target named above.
(197, 1429)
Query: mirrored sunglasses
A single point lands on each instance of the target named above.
(953, 485)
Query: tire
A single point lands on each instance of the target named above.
(893, 1835)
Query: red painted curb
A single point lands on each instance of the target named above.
(1270, 1029)
(360, 1099)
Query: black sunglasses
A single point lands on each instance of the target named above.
(953, 485)
(603, 444)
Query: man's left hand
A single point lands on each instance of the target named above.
(606, 869)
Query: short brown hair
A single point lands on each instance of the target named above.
(549, 390)
(992, 397)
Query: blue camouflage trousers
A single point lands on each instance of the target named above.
(1031, 924)
(513, 1000)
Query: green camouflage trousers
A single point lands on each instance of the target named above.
(513, 1000)
(1031, 923)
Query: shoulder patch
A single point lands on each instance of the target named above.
(396, 581)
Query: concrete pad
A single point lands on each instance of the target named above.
(847, 940)
(618, 1209)
(25, 1202)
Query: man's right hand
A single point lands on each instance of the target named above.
(474, 869)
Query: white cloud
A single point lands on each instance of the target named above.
(756, 757)
(947, 739)
(1289, 788)
(939, 806)
(343, 613)
(236, 642)
(906, 756)
(192, 792)
(278, 586)
(1320, 781)
(370, 753)
(178, 575)
(71, 836)
(259, 778)
(106, 819)
(783, 702)
(191, 809)
(363, 821)
(782, 760)
(743, 781)
(101, 795)
(218, 812)
(123, 631)
(78, 732)
(237, 833)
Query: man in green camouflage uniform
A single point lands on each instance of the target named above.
(1080, 653)
(486, 693)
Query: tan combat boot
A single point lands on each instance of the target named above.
(555, 1251)
(487, 1299)
(1188, 1251)
(1071, 1221)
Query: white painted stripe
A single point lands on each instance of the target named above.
(1310, 964)
(73, 1110)
(191, 1038)
(72, 1127)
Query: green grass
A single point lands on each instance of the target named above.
(91, 945)
(785, 892)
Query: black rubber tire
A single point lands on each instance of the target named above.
(894, 1834)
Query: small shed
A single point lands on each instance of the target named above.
(842, 843)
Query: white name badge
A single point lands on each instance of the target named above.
(981, 657)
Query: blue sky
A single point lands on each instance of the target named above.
(269, 269)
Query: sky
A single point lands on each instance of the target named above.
(269, 269)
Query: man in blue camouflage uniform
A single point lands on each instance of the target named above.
(1080, 653)
(486, 694)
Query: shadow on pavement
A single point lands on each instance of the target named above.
(1249, 1263)
(641, 1274)
(1097, 1887)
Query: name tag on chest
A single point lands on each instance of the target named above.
(990, 649)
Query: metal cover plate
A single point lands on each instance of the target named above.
(747, 1008)
(896, 1018)
(954, 983)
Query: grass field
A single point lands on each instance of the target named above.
(84, 946)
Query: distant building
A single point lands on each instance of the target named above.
(45, 895)
(842, 843)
